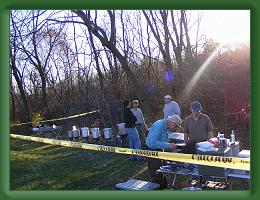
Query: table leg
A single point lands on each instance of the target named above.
(174, 179)
(57, 133)
(230, 183)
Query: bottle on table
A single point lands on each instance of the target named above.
(232, 137)
(218, 140)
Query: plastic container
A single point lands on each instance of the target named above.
(228, 142)
(121, 129)
(70, 136)
(221, 143)
(75, 133)
(95, 133)
(218, 142)
(107, 133)
(232, 137)
(85, 132)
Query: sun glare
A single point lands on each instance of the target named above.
(227, 26)
(198, 74)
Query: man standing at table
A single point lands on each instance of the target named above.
(140, 123)
(170, 107)
(157, 140)
(197, 128)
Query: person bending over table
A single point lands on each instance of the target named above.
(197, 128)
(157, 140)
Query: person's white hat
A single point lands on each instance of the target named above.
(175, 118)
(168, 97)
(135, 101)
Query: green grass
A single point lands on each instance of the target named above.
(38, 166)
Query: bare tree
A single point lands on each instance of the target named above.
(172, 40)
(109, 43)
(100, 77)
(30, 35)
(15, 71)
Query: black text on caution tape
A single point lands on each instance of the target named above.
(145, 153)
(106, 148)
(212, 158)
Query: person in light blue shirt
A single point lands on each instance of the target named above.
(157, 140)
(170, 107)
(140, 122)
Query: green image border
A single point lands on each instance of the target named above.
(7, 5)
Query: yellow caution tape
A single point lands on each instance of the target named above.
(59, 119)
(208, 160)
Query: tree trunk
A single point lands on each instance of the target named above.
(13, 108)
(101, 35)
(22, 92)
(101, 81)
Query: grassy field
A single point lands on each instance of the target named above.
(38, 166)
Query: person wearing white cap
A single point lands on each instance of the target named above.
(133, 137)
(157, 140)
(140, 123)
(170, 107)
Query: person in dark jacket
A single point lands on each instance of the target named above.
(133, 136)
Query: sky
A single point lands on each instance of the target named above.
(226, 26)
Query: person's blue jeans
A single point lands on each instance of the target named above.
(134, 141)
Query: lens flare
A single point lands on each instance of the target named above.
(169, 75)
(198, 74)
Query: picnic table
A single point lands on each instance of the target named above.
(51, 132)
(171, 173)
(173, 169)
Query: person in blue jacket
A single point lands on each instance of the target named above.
(157, 140)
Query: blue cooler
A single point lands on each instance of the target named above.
(134, 184)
